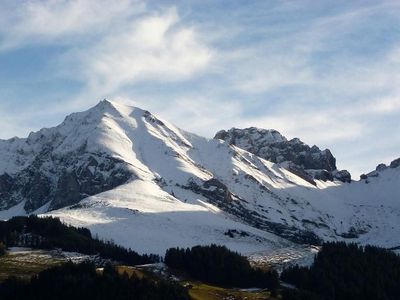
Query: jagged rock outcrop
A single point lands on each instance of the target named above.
(307, 162)
(380, 168)
(395, 163)
(61, 184)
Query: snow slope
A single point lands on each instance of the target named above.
(184, 190)
(142, 216)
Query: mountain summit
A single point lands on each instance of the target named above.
(137, 179)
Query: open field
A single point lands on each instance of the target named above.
(197, 290)
(201, 291)
(25, 263)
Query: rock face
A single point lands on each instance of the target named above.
(395, 163)
(307, 162)
(59, 166)
(61, 184)
(380, 168)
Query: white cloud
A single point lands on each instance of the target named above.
(155, 46)
(205, 115)
(381, 106)
(60, 21)
(312, 127)
(309, 53)
(194, 113)
(105, 46)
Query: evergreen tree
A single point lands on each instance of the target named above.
(348, 272)
(218, 265)
(3, 249)
(81, 281)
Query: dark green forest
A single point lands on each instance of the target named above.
(81, 281)
(346, 272)
(218, 265)
(50, 233)
(2, 249)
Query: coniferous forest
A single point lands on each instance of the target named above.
(50, 233)
(2, 249)
(346, 272)
(82, 281)
(220, 266)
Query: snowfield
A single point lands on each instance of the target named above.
(143, 217)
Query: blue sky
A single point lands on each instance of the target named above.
(327, 72)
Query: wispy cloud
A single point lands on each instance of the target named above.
(152, 47)
(60, 21)
(107, 46)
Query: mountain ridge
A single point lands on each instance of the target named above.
(307, 162)
(132, 177)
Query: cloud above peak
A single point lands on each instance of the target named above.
(154, 46)
(108, 46)
(59, 21)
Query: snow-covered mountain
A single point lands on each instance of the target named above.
(134, 178)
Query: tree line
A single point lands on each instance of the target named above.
(218, 265)
(346, 272)
(82, 281)
(51, 233)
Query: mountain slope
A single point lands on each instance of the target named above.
(149, 185)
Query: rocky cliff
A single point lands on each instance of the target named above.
(307, 162)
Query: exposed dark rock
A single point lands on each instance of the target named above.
(395, 163)
(221, 190)
(62, 181)
(343, 175)
(150, 117)
(381, 167)
(68, 191)
(6, 183)
(323, 175)
(233, 233)
(36, 191)
(307, 162)
(301, 173)
(353, 233)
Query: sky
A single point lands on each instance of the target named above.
(327, 72)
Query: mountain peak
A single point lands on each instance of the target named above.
(251, 134)
(105, 101)
(90, 152)
(307, 162)
(108, 106)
